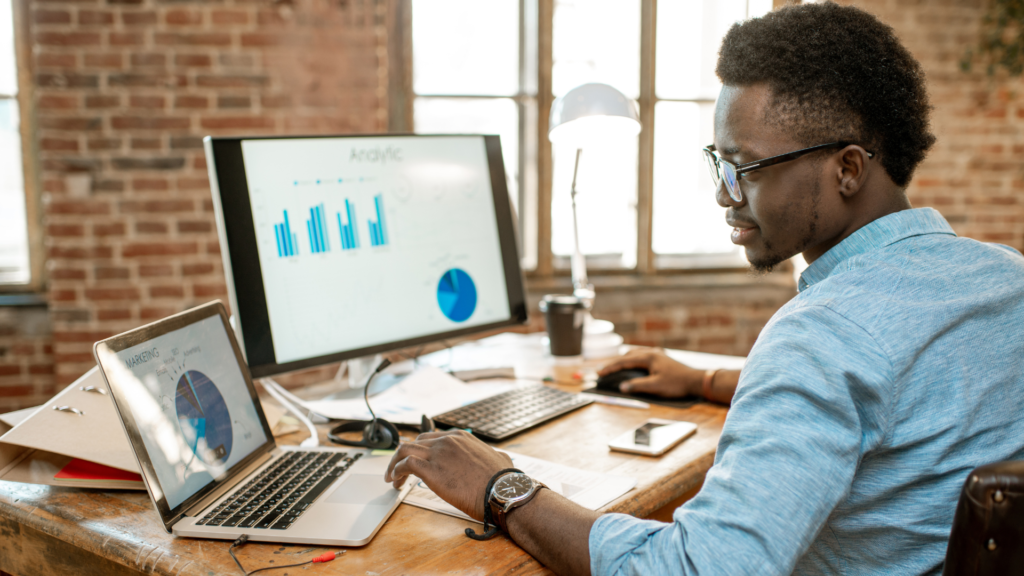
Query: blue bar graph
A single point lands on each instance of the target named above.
(349, 233)
(316, 226)
(287, 244)
(378, 229)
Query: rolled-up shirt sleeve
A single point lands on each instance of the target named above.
(813, 398)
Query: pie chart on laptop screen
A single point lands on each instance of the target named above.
(456, 295)
(203, 417)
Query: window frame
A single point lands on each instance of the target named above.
(26, 110)
(543, 263)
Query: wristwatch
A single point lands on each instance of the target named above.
(511, 491)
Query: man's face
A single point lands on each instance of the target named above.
(786, 208)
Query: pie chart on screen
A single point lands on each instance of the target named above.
(456, 295)
(203, 417)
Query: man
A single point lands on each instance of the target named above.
(869, 397)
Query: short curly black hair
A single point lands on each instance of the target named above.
(835, 73)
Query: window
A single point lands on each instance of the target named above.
(14, 255)
(643, 205)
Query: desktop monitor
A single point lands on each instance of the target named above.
(337, 247)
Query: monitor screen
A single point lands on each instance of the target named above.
(345, 246)
(190, 402)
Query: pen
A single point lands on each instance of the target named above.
(616, 401)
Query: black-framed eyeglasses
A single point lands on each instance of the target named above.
(725, 171)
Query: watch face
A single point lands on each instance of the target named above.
(513, 486)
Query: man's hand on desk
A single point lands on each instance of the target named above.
(457, 467)
(455, 464)
(668, 378)
(671, 379)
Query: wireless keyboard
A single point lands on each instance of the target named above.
(505, 415)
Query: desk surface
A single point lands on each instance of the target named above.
(52, 530)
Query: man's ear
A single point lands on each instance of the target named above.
(851, 171)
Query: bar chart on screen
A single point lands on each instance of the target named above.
(378, 229)
(287, 244)
(317, 228)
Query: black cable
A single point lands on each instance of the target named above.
(366, 397)
(241, 542)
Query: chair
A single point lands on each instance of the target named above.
(988, 529)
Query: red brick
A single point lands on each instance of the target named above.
(157, 206)
(209, 291)
(104, 61)
(166, 292)
(114, 314)
(40, 369)
(154, 313)
(125, 39)
(181, 17)
(113, 229)
(95, 18)
(192, 227)
(63, 295)
(237, 122)
(145, 18)
(65, 230)
(50, 59)
(77, 207)
(144, 249)
(191, 102)
(79, 253)
(155, 271)
(232, 81)
(196, 269)
(67, 274)
(119, 294)
(73, 123)
(149, 123)
(51, 17)
(102, 101)
(58, 144)
(193, 60)
(67, 38)
(52, 102)
(194, 39)
(229, 17)
(151, 227)
(146, 184)
(193, 184)
(80, 336)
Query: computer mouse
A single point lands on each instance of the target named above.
(611, 381)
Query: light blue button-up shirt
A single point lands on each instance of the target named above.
(864, 404)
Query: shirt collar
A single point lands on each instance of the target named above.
(877, 234)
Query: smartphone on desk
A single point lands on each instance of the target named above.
(654, 437)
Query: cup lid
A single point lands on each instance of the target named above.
(560, 300)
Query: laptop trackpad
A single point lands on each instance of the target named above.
(364, 489)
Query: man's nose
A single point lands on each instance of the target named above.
(724, 199)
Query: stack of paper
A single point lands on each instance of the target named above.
(591, 490)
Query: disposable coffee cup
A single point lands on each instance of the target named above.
(564, 315)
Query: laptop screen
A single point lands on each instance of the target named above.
(191, 404)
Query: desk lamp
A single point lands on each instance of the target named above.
(590, 114)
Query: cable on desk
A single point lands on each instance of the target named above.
(325, 557)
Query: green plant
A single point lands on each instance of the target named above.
(1002, 40)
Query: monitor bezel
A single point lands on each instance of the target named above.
(115, 344)
(230, 191)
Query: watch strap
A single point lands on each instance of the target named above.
(490, 528)
(500, 515)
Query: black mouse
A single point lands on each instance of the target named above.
(611, 381)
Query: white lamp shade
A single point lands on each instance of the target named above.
(591, 113)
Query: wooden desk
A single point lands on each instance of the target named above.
(52, 530)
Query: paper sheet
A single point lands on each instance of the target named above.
(591, 490)
(428, 391)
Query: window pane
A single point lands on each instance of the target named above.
(8, 78)
(689, 35)
(687, 219)
(13, 233)
(596, 41)
(465, 47)
(475, 116)
(605, 200)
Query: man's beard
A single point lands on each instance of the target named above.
(766, 264)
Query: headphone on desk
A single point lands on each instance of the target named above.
(378, 434)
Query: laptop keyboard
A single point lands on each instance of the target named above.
(276, 497)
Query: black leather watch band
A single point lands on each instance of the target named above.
(500, 516)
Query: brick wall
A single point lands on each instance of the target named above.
(26, 357)
(125, 89)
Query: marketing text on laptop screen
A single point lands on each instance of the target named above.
(365, 241)
(190, 403)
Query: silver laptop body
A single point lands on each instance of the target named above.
(208, 458)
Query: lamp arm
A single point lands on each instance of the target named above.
(578, 262)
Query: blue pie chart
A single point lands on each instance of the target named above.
(203, 417)
(456, 295)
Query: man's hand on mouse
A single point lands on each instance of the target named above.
(667, 378)
(454, 464)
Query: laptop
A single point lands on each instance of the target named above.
(207, 455)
